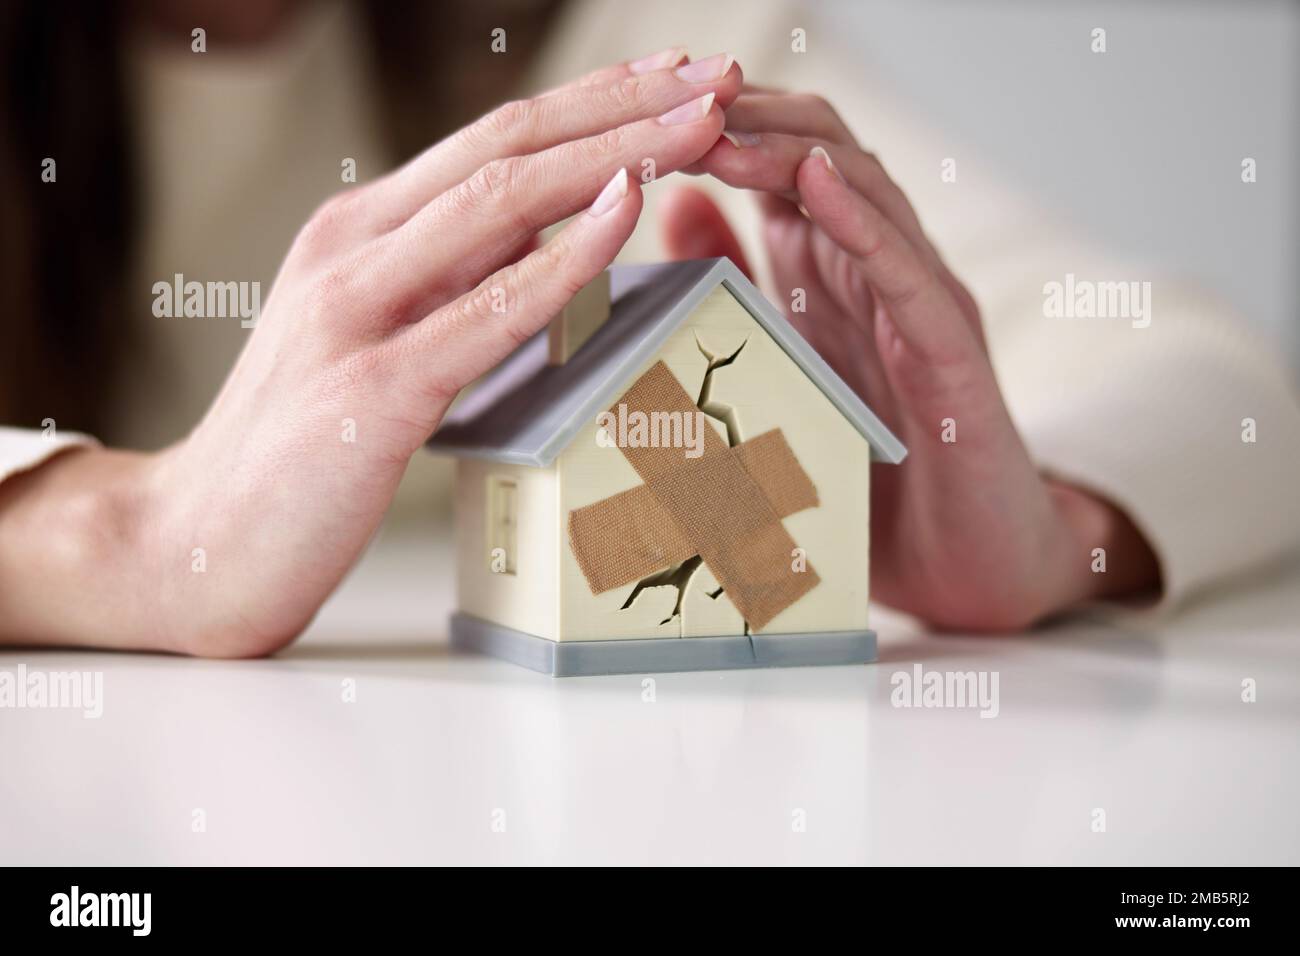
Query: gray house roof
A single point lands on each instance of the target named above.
(525, 411)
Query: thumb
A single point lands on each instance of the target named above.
(693, 227)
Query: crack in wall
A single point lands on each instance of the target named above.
(680, 575)
(716, 410)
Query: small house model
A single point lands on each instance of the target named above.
(666, 478)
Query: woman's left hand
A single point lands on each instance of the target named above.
(966, 533)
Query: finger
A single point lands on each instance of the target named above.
(922, 309)
(768, 162)
(825, 321)
(531, 125)
(764, 154)
(459, 342)
(663, 60)
(849, 289)
(467, 231)
(772, 111)
(795, 114)
(693, 227)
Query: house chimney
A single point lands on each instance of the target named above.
(579, 320)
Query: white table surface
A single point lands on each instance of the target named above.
(1142, 719)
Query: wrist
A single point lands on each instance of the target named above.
(73, 554)
(1107, 558)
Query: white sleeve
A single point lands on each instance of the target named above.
(23, 448)
(1189, 425)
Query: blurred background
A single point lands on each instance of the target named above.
(1184, 91)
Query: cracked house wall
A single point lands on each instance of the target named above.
(759, 390)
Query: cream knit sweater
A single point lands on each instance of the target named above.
(1151, 417)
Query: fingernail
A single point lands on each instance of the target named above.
(658, 61)
(741, 140)
(612, 194)
(825, 157)
(710, 68)
(688, 112)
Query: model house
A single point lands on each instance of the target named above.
(667, 478)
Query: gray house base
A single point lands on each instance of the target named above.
(660, 655)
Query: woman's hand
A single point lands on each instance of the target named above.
(394, 297)
(966, 533)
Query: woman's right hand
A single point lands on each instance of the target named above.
(394, 297)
